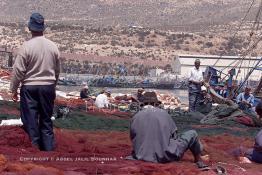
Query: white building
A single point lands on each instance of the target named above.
(182, 63)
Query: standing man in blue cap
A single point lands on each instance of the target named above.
(37, 68)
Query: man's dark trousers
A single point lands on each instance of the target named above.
(37, 102)
(193, 96)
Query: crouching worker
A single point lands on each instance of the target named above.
(255, 154)
(102, 100)
(205, 102)
(84, 93)
(155, 139)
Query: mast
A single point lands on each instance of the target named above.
(248, 75)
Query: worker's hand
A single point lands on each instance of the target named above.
(206, 84)
(246, 103)
(15, 96)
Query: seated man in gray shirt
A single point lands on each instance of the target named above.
(155, 139)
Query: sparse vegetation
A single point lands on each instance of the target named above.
(152, 39)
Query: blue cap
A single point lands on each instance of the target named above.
(36, 22)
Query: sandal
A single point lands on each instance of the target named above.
(202, 166)
(221, 170)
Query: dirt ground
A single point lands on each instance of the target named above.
(104, 152)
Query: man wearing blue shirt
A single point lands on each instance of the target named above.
(245, 100)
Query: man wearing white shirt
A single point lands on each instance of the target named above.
(194, 85)
(102, 99)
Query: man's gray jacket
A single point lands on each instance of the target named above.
(153, 135)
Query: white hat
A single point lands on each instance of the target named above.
(203, 88)
(108, 91)
(86, 87)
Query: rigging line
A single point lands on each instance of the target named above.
(255, 24)
(242, 21)
(254, 64)
(248, 75)
(253, 46)
(238, 29)
(242, 57)
(251, 34)
(249, 62)
(245, 75)
(241, 62)
(256, 21)
(236, 62)
(233, 62)
(248, 50)
(250, 58)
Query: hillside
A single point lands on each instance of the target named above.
(150, 13)
(147, 30)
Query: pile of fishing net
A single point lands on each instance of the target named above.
(84, 121)
(103, 152)
(225, 114)
(222, 114)
(5, 74)
(93, 143)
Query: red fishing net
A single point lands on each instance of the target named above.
(103, 152)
